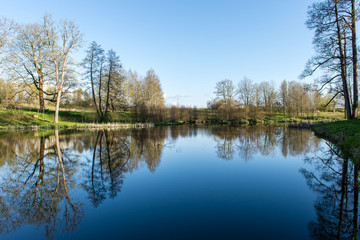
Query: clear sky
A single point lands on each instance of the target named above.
(191, 44)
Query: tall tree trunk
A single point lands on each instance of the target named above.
(57, 106)
(356, 200)
(93, 89)
(354, 60)
(100, 155)
(108, 93)
(112, 105)
(61, 166)
(344, 184)
(41, 96)
(99, 93)
(342, 65)
(109, 157)
(41, 159)
(93, 162)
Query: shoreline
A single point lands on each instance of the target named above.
(308, 124)
(83, 126)
(344, 134)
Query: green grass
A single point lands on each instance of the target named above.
(345, 134)
(321, 116)
(29, 116)
(22, 118)
(168, 123)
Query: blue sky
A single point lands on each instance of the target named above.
(191, 45)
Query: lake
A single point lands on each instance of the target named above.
(183, 182)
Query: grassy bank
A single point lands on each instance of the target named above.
(20, 119)
(30, 118)
(316, 117)
(345, 134)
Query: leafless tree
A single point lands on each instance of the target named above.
(353, 16)
(284, 96)
(61, 40)
(115, 83)
(246, 91)
(226, 93)
(267, 95)
(335, 35)
(7, 28)
(28, 62)
(93, 65)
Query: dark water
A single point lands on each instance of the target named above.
(176, 183)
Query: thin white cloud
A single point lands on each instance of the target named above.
(176, 96)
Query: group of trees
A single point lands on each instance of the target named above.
(39, 66)
(114, 89)
(145, 96)
(334, 24)
(104, 72)
(38, 58)
(250, 100)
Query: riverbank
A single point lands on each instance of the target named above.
(31, 119)
(19, 120)
(345, 134)
(86, 126)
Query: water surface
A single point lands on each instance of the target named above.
(176, 183)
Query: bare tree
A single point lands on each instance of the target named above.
(153, 96)
(28, 61)
(113, 72)
(61, 40)
(106, 77)
(267, 95)
(153, 92)
(226, 93)
(334, 24)
(93, 64)
(145, 96)
(246, 91)
(134, 92)
(7, 28)
(341, 42)
(353, 17)
(118, 98)
(7, 92)
(299, 99)
(284, 96)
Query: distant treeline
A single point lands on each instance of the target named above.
(142, 98)
(38, 68)
(249, 100)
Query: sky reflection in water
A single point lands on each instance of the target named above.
(175, 183)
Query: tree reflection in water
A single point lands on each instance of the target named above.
(39, 174)
(36, 189)
(105, 171)
(248, 141)
(335, 179)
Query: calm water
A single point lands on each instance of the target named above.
(176, 183)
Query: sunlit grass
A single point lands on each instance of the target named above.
(308, 116)
(346, 134)
(14, 117)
